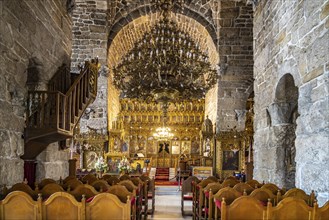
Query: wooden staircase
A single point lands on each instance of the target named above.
(52, 115)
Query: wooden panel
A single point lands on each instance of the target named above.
(243, 208)
(290, 208)
(323, 212)
(62, 205)
(19, 205)
(107, 206)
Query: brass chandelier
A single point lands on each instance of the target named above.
(163, 134)
(165, 65)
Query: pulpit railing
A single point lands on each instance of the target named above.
(53, 109)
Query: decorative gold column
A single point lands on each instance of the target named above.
(208, 153)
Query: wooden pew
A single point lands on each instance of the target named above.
(291, 208)
(71, 184)
(124, 177)
(274, 188)
(298, 193)
(242, 208)
(231, 182)
(150, 192)
(113, 180)
(243, 187)
(62, 205)
(142, 194)
(321, 213)
(20, 205)
(199, 200)
(263, 195)
(50, 189)
(137, 193)
(23, 188)
(106, 176)
(100, 185)
(108, 206)
(122, 193)
(213, 178)
(45, 182)
(84, 189)
(209, 191)
(229, 194)
(68, 178)
(186, 191)
(254, 183)
(89, 178)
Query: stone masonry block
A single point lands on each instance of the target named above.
(11, 170)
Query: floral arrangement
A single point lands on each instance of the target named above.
(124, 165)
(100, 165)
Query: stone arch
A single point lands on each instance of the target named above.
(283, 113)
(286, 91)
(129, 14)
(132, 32)
(285, 101)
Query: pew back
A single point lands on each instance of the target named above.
(19, 205)
(108, 206)
(323, 212)
(290, 208)
(242, 208)
(62, 205)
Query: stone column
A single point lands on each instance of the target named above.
(72, 167)
(249, 170)
(29, 172)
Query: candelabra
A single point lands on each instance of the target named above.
(166, 64)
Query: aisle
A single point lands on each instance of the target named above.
(168, 204)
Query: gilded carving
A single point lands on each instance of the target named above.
(137, 121)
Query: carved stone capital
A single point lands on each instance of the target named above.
(281, 112)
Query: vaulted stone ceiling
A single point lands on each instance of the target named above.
(124, 11)
(131, 19)
(225, 28)
(134, 31)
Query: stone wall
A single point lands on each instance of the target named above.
(90, 33)
(35, 39)
(236, 63)
(125, 11)
(52, 163)
(290, 38)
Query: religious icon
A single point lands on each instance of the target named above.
(195, 148)
(124, 147)
(91, 159)
(230, 160)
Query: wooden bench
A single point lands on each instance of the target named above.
(61, 205)
(186, 191)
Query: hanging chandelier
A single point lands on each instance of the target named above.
(163, 134)
(166, 64)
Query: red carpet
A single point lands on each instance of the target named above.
(166, 183)
(162, 174)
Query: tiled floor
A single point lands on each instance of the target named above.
(168, 204)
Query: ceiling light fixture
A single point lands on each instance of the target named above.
(166, 65)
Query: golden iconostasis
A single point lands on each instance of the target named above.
(133, 131)
(132, 136)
